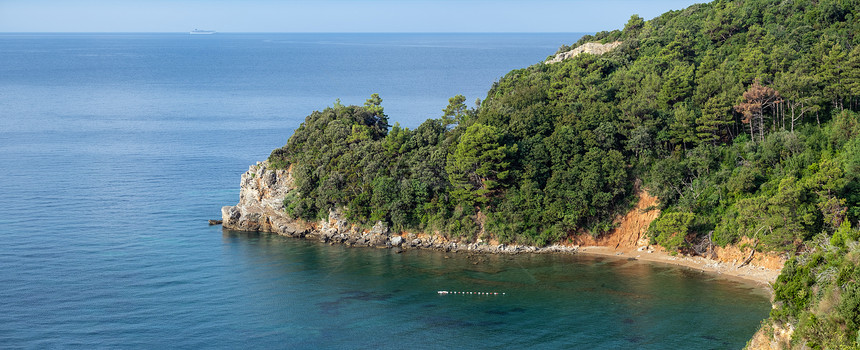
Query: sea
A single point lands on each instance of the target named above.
(115, 150)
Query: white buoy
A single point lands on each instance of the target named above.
(445, 292)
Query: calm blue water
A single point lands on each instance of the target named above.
(116, 148)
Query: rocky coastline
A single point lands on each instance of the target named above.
(261, 208)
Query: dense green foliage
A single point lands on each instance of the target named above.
(779, 192)
(739, 115)
(348, 157)
(671, 230)
(819, 292)
(735, 112)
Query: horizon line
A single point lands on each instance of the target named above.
(298, 32)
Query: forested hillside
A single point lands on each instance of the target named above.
(740, 116)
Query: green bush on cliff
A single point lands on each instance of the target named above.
(670, 230)
(819, 292)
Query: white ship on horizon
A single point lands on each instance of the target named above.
(200, 31)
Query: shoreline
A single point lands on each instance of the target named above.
(260, 209)
(760, 276)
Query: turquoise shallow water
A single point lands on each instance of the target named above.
(116, 148)
(377, 298)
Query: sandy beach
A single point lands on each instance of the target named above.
(757, 274)
(630, 240)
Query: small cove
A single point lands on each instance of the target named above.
(550, 300)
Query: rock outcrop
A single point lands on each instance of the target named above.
(771, 336)
(592, 48)
(261, 203)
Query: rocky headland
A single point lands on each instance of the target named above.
(261, 208)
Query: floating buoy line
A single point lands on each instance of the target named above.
(446, 292)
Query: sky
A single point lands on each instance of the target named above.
(326, 15)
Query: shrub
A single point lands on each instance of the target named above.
(670, 230)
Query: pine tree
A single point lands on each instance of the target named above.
(757, 99)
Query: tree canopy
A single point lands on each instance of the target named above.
(734, 113)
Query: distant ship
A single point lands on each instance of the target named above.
(198, 31)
